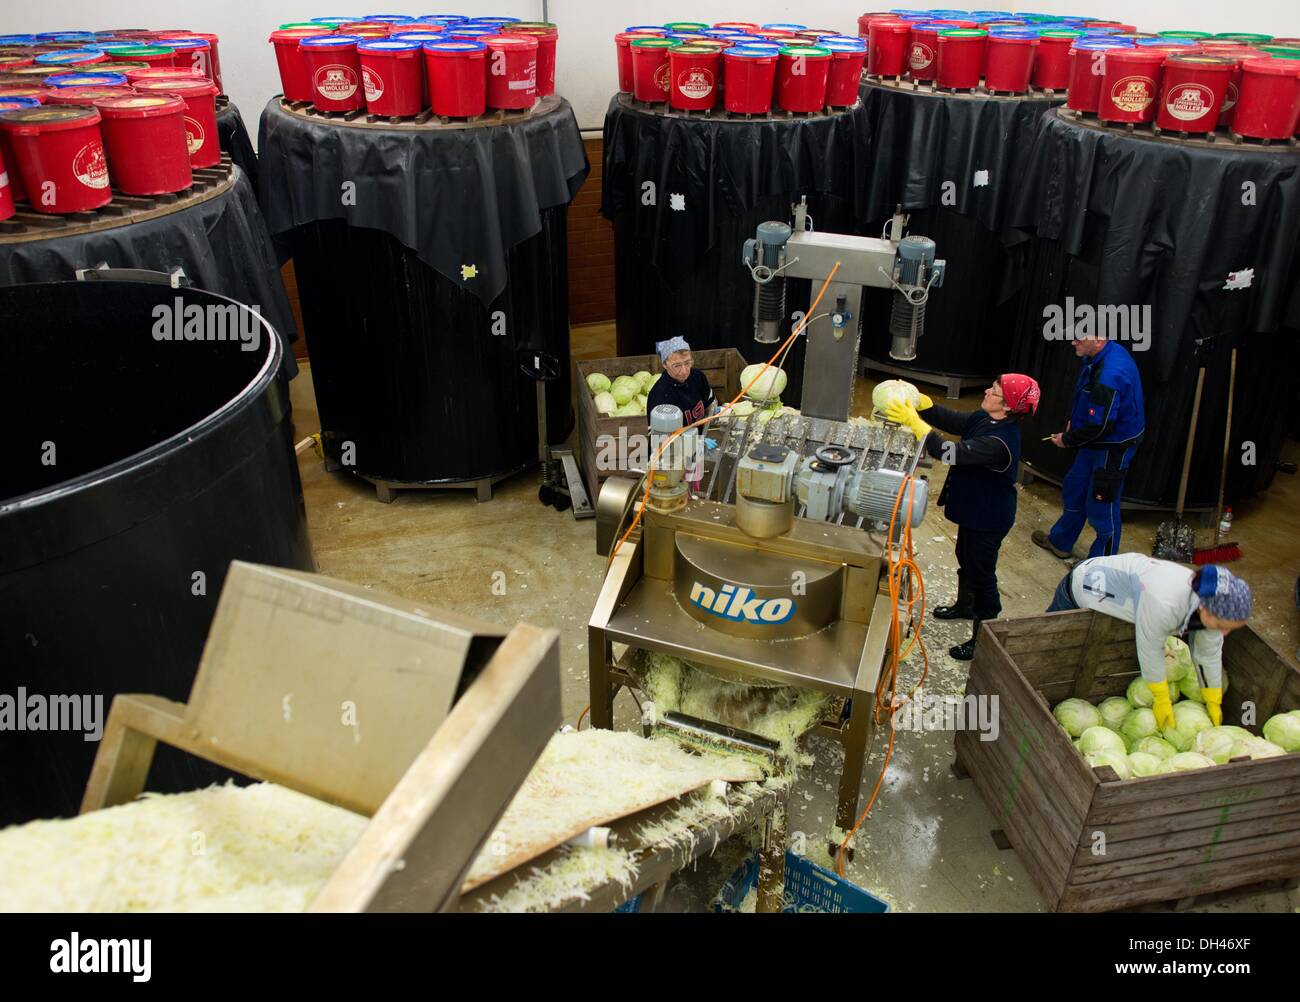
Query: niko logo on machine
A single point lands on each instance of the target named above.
(740, 605)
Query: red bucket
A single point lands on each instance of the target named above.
(85, 95)
(213, 68)
(335, 72)
(693, 75)
(1232, 92)
(199, 96)
(1191, 96)
(864, 21)
(1130, 87)
(295, 80)
(134, 77)
(154, 55)
(750, 76)
(623, 44)
(961, 58)
(650, 68)
(6, 189)
(457, 70)
(511, 71)
(1009, 62)
(801, 77)
(547, 36)
(1270, 98)
(923, 52)
(1052, 60)
(38, 91)
(59, 153)
(144, 137)
(192, 53)
(14, 62)
(392, 75)
(1087, 67)
(845, 76)
(887, 47)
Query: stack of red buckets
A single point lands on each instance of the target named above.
(740, 66)
(83, 114)
(1183, 82)
(397, 67)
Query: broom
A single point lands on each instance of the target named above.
(1222, 553)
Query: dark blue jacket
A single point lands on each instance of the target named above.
(693, 395)
(1108, 407)
(980, 492)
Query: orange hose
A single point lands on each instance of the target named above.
(649, 476)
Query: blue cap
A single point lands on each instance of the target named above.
(751, 51)
(330, 41)
(63, 55)
(842, 43)
(1223, 594)
(101, 79)
(457, 45)
(389, 44)
(665, 349)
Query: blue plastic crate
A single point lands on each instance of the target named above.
(630, 905)
(808, 887)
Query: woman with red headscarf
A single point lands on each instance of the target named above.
(980, 492)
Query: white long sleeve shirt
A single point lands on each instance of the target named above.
(1158, 598)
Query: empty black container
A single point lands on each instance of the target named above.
(136, 469)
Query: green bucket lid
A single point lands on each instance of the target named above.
(964, 33)
(816, 51)
(1280, 51)
(686, 26)
(696, 49)
(1247, 37)
(302, 24)
(144, 50)
(1060, 33)
(1193, 35)
(651, 42)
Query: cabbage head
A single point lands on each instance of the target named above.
(624, 389)
(1283, 729)
(1217, 742)
(1178, 660)
(605, 403)
(1185, 762)
(770, 384)
(644, 379)
(1143, 763)
(1076, 716)
(1256, 748)
(1189, 720)
(1117, 762)
(1158, 747)
(597, 382)
(1139, 724)
(1139, 693)
(1101, 739)
(1191, 688)
(1113, 711)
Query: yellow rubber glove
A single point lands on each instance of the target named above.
(1214, 705)
(905, 414)
(925, 403)
(1163, 707)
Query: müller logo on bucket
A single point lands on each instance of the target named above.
(90, 167)
(662, 77)
(229, 322)
(740, 605)
(920, 57)
(1132, 93)
(338, 83)
(696, 82)
(193, 135)
(373, 84)
(1188, 102)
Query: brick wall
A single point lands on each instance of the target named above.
(591, 250)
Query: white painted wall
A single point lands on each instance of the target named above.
(586, 71)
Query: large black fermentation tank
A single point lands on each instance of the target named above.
(138, 464)
(431, 260)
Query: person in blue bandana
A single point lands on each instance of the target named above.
(682, 385)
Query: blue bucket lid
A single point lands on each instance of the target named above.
(646, 27)
(183, 43)
(751, 51)
(1102, 43)
(930, 26)
(390, 18)
(496, 20)
(1102, 31)
(330, 41)
(459, 45)
(1021, 33)
(721, 32)
(417, 36)
(66, 55)
(842, 43)
(22, 102)
(389, 44)
(446, 18)
(17, 39)
(1165, 41)
(335, 20)
(956, 15)
(471, 31)
(65, 36)
(748, 40)
(85, 80)
(784, 27)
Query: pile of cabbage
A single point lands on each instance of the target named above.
(1121, 731)
(625, 396)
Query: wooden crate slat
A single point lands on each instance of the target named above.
(1141, 826)
(1234, 782)
(1047, 623)
(1062, 654)
(1226, 828)
(1264, 844)
(1139, 889)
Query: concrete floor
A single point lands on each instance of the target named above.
(926, 846)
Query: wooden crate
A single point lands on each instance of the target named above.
(722, 366)
(1092, 842)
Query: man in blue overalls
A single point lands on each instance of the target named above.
(1106, 425)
